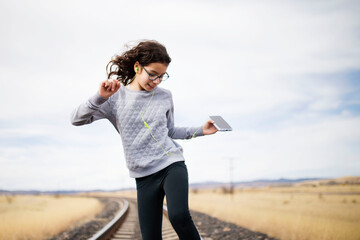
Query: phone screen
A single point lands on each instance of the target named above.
(220, 123)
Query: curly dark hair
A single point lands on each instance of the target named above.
(145, 52)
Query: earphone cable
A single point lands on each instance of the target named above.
(147, 126)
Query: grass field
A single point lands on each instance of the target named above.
(40, 217)
(318, 210)
(291, 213)
(307, 211)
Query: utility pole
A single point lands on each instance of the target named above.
(231, 169)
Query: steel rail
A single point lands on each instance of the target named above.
(108, 230)
(125, 225)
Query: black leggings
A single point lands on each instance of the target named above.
(172, 182)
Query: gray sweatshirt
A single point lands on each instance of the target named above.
(147, 150)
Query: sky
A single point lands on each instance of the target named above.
(284, 74)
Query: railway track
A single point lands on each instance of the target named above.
(125, 225)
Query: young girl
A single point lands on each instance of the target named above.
(143, 114)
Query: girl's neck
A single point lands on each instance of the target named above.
(134, 86)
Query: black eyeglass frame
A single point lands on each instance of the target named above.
(161, 77)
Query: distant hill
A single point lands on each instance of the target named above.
(211, 184)
(334, 181)
(61, 192)
(255, 183)
(281, 182)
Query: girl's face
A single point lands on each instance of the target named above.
(142, 81)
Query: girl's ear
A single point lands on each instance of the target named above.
(136, 66)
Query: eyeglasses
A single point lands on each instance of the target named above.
(153, 77)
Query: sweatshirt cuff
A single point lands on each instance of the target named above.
(97, 100)
(199, 132)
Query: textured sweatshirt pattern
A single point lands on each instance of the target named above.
(127, 110)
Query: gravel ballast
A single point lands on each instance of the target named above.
(214, 229)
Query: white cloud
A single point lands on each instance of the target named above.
(267, 67)
(77, 160)
(328, 145)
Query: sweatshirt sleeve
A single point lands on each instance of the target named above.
(180, 132)
(93, 109)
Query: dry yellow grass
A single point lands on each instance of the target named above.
(307, 211)
(40, 217)
(290, 213)
(124, 194)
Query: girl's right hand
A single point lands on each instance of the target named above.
(108, 87)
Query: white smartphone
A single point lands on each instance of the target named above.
(220, 123)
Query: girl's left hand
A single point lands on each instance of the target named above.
(209, 128)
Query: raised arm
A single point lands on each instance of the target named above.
(93, 109)
(96, 107)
